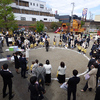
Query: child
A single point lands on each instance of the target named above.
(60, 43)
(66, 45)
(32, 66)
(54, 41)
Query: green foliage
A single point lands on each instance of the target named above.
(39, 26)
(82, 23)
(55, 25)
(6, 15)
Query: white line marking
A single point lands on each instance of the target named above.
(69, 50)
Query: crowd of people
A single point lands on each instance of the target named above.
(41, 73)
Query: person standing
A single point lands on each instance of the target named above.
(7, 80)
(98, 72)
(48, 68)
(88, 41)
(61, 72)
(91, 62)
(47, 45)
(91, 82)
(10, 40)
(97, 96)
(7, 41)
(36, 91)
(23, 63)
(72, 85)
(27, 52)
(1, 45)
(36, 64)
(16, 63)
(40, 74)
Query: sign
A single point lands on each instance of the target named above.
(84, 13)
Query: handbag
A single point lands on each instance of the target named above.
(27, 68)
(87, 76)
(57, 74)
(64, 86)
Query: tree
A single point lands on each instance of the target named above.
(39, 26)
(82, 23)
(55, 25)
(6, 15)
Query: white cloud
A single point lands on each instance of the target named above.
(65, 6)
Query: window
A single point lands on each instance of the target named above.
(30, 3)
(33, 19)
(33, 4)
(45, 18)
(41, 6)
(23, 18)
(37, 4)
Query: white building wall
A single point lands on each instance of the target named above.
(37, 4)
(35, 8)
(38, 18)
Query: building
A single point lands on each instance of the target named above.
(63, 18)
(66, 18)
(32, 10)
(97, 18)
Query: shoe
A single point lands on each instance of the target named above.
(5, 95)
(11, 97)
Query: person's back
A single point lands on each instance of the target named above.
(36, 90)
(72, 85)
(40, 70)
(6, 75)
(40, 73)
(7, 81)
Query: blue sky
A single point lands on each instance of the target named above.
(64, 7)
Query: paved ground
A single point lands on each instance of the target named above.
(72, 60)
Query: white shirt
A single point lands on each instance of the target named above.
(48, 68)
(61, 70)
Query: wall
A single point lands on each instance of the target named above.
(38, 18)
(97, 18)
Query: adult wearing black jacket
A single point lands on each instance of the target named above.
(46, 45)
(35, 89)
(16, 63)
(97, 96)
(7, 80)
(72, 85)
(98, 72)
(23, 61)
(91, 62)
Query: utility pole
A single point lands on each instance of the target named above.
(71, 22)
(72, 11)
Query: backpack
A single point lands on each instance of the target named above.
(40, 78)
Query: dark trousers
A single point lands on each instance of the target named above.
(69, 95)
(47, 48)
(86, 87)
(23, 72)
(69, 44)
(7, 43)
(5, 87)
(97, 81)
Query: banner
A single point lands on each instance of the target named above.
(84, 13)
